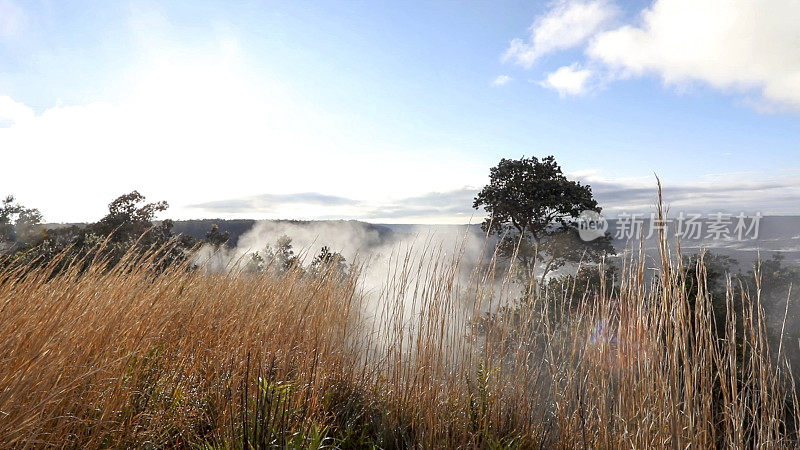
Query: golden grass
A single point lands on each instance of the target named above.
(124, 357)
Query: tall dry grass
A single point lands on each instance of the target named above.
(127, 357)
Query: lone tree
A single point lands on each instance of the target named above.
(533, 208)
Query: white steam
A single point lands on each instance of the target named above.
(403, 272)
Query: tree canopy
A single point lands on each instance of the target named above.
(20, 227)
(534, 208)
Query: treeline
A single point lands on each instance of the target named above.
(129, 228)
(128, 225)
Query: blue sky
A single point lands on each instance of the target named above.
(380, 110)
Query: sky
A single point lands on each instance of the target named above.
(395, 111)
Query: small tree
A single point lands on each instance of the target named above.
(284, 254)
(328, 262)
(129, 222)
(533, 208)
(20, 227)
(278, 260)
(129, 217)
(217, 238)
(254, 263)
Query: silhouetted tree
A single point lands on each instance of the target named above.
(534, 208)
(129, 218)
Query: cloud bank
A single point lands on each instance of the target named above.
(435, 207)
(716, 193)
(713, 193)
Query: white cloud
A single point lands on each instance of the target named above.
(195, 133)
(12, 112)
(567, 24)
(568, 80)
(501, 80)
(733, 45)
(12, 19)
(195, 127)
(197, 123)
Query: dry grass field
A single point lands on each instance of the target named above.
(130, 357)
